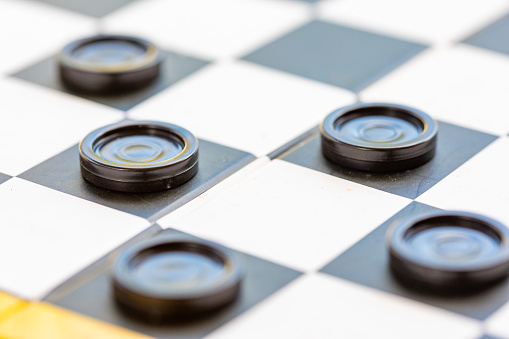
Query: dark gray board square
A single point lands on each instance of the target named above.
(4, 178)
(174, 68)
(367, 263)
(455, 146)
(290, 144)
(94, 299)
(95, 8)
(62, 173)
(493, 37)
(337, 55)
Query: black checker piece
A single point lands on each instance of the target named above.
(449, 252)
(109, 64)
(378, 137)
(139, 156)
(173, 279)
(336, 55)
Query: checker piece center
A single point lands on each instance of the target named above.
(139, 149)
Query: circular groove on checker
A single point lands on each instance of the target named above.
(139, 156)
(449, 251)
(378, 137)
(109, 64)
(168, 279)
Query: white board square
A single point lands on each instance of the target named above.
(452, 84)
(480, 185)
(245, 106)
(38, 123)
(208, 29)
(53, 236)
(320, 306)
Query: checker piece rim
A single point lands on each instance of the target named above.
(465, 266)
(133, 63)
(379, 137)
(149, 56)
(172, 157)
(134, 291)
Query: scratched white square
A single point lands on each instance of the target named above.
(291, 215)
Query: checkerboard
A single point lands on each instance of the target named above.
(252, 79)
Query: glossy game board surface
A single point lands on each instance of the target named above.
(252, 80)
